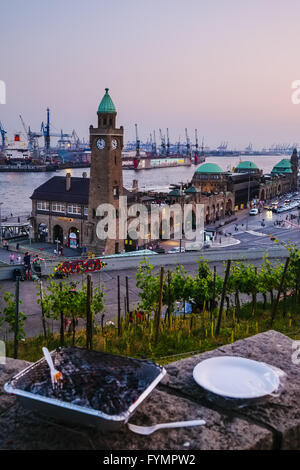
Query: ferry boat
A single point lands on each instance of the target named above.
(17, 151)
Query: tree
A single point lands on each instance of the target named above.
(68, 300)
(149, 284)
(269, 278)
(9, 315)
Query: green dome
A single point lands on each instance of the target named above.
(247, 166)
(284, 166)
(209, 168)
(174, 192)
(191, 190)
(106, 105)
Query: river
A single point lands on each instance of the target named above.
(16, 188)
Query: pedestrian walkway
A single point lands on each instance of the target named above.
(257, 234)
(223, 242)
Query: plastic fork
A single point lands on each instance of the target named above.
(56, 375)
(146, 430)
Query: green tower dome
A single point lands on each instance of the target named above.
(209, 168)
(246, 165)
(284, 166)
(106, 105)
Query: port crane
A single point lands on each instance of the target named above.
(168, 142)
(32, 137)
(202, 146)
(137, 142)
(163, 142)
(2, 132)
(196, 147)
(188, 143)
(178, 145)
(222, 147)
(45, 130)
(196, 140)
(154, 150)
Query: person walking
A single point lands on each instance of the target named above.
(12, 258)
(27, 265)
(37, 265)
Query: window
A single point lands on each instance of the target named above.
(58, 207)
(43, 206)
(73, 209)
(116, 191)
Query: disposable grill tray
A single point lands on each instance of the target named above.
(99, 389)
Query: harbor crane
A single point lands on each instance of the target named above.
(178, 145)
(202, 146)
(223, 147)
(45, 129)
(163, 142)
(188, 143)
(32, 137)
(196, 147)
(2, 132)
(168, 142)
(137, 142)
(154, 150)
(196, 140)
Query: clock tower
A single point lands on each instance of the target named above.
(106, 177)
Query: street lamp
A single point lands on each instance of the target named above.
(248, 201)
(57, 241)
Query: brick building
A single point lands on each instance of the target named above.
(66, 209)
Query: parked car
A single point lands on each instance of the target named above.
(253, 212)
(176, 249)
(159, 249)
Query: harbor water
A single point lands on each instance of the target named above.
(16, 188)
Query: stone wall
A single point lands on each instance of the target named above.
(269, 423)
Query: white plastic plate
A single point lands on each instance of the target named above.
(236, 377)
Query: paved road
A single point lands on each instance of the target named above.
(253, 245)
(108, 277)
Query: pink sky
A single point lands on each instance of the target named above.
(224, 67)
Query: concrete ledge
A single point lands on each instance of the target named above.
(281, 414)
(271, 423)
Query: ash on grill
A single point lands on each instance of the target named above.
(92, 379)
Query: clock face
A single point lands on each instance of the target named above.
(114, 144)
(100, 144)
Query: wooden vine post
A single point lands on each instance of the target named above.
(159, 310)
(62, 326)
(280, 290)
(89, 315)
(16, 332)
(223, 297)
(119, 308)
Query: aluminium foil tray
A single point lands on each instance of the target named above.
(67, 411)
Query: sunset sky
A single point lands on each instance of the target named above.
(222, 66)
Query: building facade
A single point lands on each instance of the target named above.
(68, 210)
